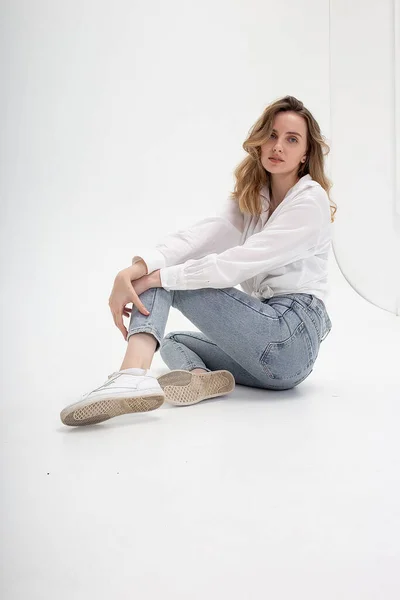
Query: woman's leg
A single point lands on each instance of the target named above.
(276, 341)
(140, 351)
(183, 349)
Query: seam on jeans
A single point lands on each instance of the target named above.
(146, 329)
(153, 298)
(259, 312)
(300, 330)
(190, 363)
(320, 309)
(311, 316)
(189, 335)
(187, 360)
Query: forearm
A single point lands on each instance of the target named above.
(154, 279)
(139, 271)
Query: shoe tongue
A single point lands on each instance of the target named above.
(134, 371)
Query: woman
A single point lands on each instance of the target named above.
(272, 236)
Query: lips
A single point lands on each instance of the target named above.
(275, 158)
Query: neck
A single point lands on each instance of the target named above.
(280, 185)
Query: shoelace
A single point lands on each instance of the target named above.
(100, 386)
(114, 375)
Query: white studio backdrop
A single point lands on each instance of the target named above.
(121, 121)
(365, 150)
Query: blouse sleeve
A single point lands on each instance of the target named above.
(290, 235)
(210, 234)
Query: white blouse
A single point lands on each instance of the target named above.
(285, 254)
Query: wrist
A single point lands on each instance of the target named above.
(137, 270)
(155, 279)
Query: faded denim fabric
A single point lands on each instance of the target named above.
(265, 343)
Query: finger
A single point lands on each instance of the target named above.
(117, 320)
(120, 325)
(139, 305)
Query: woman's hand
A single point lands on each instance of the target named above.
(145, 283)
(128, 285)
(123, 293)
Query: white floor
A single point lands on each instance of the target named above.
(254, 495)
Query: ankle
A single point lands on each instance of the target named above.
(137, 364)
(198, 370)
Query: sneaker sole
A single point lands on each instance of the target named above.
(101, 410)
(183, 388)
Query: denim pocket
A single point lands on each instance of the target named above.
(291, 357)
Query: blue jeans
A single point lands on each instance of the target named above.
(271, 343)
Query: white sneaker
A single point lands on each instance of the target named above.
(126, 391)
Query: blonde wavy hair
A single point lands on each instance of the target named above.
(250, 174)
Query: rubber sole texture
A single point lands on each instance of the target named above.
(96, 411)
(183, 388)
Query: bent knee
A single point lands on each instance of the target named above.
(170, 336)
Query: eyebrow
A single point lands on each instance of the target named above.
(295, 132)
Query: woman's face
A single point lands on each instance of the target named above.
(288, 141)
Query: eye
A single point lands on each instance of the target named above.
(291, 138)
